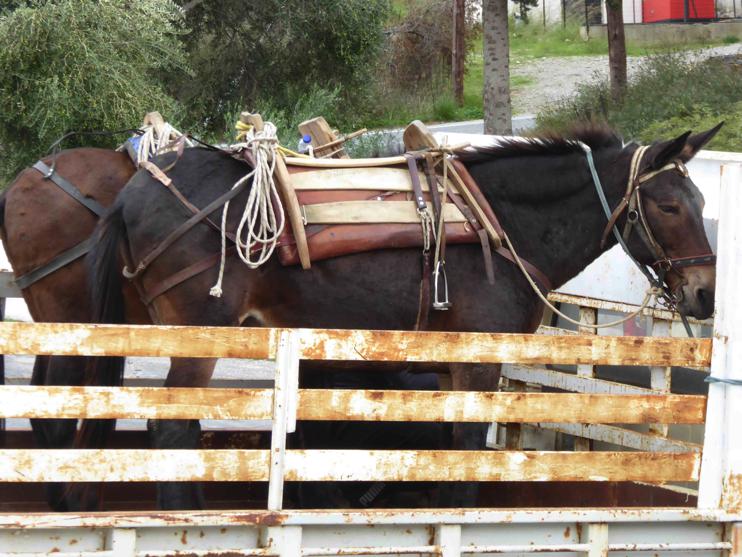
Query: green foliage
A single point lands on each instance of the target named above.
(669, 91)
(730, 39)
(729, 137)
(316, 101)
(243, 52)
(81, 65)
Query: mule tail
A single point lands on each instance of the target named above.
(107, 306)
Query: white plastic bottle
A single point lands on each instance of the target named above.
(304, 146)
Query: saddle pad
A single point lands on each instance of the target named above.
(363, 209)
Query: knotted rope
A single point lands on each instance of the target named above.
(262, 218)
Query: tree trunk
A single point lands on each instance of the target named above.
(616, 48)
(457, 65)
(497, 111)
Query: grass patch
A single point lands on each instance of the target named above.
(535, 41)
(694, 95)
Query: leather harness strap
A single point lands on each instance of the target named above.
(73, 253)
(182, 229)
(69, 188)
(61, 260)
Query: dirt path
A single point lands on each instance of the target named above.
(555, 78)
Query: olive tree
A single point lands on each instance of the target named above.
(82, 65)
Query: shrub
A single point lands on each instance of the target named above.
(81, 65)
(244, 52)
(667, 88)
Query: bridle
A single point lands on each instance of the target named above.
(636, 219)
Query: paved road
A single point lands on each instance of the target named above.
(521, 124)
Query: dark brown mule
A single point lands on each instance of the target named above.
(542, 191)
(38, 222)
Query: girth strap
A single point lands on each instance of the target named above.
(69, 188)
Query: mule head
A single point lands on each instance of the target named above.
(672, 207)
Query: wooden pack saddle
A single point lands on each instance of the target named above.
(357, 205)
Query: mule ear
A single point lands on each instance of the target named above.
(668, 151)
(698, 140)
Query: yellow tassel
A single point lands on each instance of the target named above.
(242, 129)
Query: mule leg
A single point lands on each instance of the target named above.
(468, 436)
(181, 434)
(59, 434)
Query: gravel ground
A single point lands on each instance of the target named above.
(555, 78)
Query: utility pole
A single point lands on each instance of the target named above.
(458, 54)
(497, 109)
(616, 48)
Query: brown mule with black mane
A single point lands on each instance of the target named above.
(44, 229)
(541, 190)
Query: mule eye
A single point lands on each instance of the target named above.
(669, 209)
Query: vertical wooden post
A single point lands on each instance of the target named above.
(457, 52)
(285, 390)
(660, 377)
(721, 466)
(588, 316)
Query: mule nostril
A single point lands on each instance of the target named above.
(705, 297)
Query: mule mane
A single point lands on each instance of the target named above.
(549, 143)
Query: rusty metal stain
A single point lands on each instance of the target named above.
(731, 499)
(567, 532)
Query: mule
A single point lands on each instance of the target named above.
(39, 222)
(44, 230)
(541, 190)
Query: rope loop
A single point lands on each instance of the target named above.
(263, 219)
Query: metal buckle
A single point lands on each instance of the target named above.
(632, 216)
(440, 269)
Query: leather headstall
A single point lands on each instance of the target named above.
(636, 219)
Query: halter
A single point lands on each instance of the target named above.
(636, 219)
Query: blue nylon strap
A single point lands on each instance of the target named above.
(604, 202)
(654, 281)
(712, 379)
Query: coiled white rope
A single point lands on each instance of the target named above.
(153, 140)
(263, 218)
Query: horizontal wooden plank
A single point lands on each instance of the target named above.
(505, 348)
(74, 339)
(569, 381)
(373, 179)
(95, 465)
(350, 345)
(624, 437)
(620, 307)
(345, 163)
(8, 288)
(373, 212)
(499, 407)
(358, 405)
